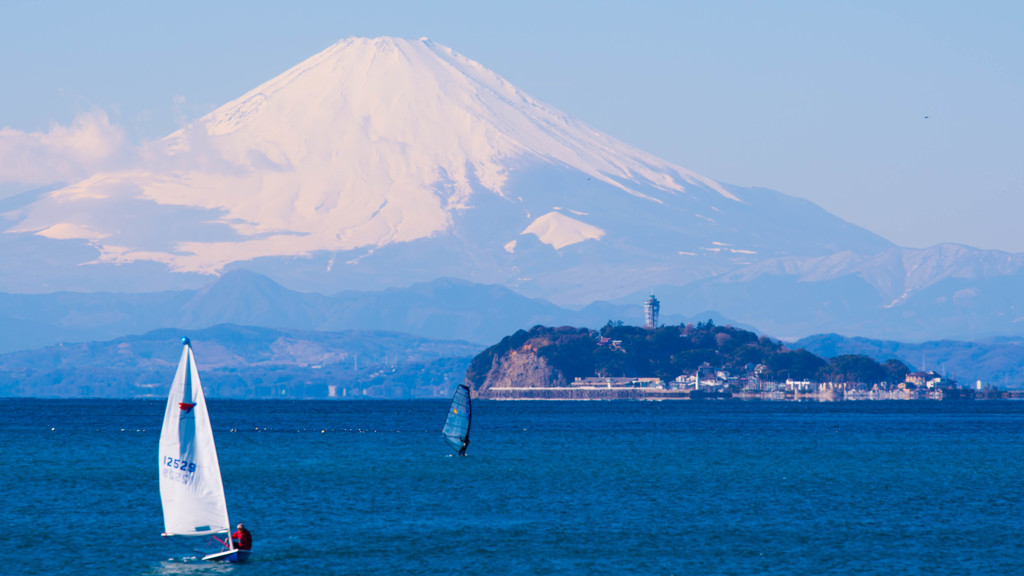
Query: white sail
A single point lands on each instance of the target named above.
(190, 485)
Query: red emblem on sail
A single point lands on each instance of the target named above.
(185, 406)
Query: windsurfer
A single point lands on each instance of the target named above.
(242, 538)
(465, 444)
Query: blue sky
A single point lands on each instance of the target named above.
(822, 100)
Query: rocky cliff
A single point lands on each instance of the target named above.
(515, 362)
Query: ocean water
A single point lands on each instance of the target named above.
(689, 488)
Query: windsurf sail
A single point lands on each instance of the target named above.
(460, 414)
(191, 490)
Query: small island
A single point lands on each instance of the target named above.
(688, 362)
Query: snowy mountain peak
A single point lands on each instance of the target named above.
(386, 153)
(368, 143)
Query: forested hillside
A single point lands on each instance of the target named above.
(667, 352)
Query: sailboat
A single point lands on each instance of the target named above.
(456, 427)
(191, 489)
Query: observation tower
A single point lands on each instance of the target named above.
(651, 308)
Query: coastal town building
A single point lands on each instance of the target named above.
(707, 384)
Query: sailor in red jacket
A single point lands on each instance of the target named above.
(242, 538)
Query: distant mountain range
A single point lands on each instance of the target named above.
(996, 362)
(249, 362)
(443, 309)
(946, 291)
(244, 362)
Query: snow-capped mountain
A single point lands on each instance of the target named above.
(386, 161)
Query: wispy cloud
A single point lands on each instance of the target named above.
(64, 153)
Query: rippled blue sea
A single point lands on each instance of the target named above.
(368, 487)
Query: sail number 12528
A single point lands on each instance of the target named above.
(179, 464)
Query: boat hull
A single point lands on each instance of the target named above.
(234, 556)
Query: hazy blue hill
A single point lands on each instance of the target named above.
(962, 309)
(781, 305)
(243, 361)
(32, 320)
(995, 361)
(245, 297)
(445, 308)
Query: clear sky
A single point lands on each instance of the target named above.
(906, 118)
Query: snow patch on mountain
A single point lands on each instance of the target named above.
(67, 231)
(559, 230)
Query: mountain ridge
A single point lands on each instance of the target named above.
(445, 308)
(243, 362)
(36, 327)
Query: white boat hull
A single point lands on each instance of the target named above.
(235, 556)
